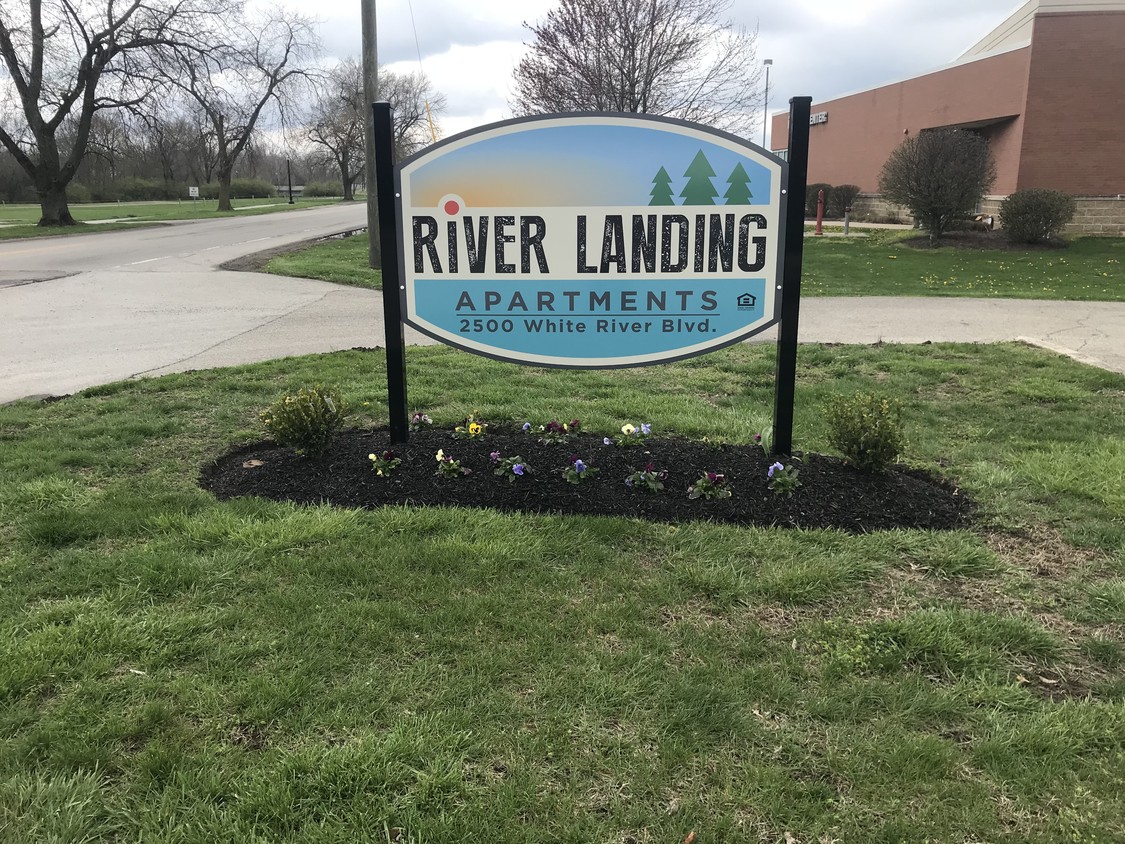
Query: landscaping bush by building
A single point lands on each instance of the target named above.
(1036, 216)
(811, 197)
(941, 175)
(843, 197)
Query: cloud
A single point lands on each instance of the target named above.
(440, 26)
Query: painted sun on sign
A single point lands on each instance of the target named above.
(591, 241)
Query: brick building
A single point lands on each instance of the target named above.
(1045, 88)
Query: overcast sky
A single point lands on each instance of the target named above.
(820, 48)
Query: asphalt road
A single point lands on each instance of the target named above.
(88, 309)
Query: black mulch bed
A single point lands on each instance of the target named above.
(832, 494)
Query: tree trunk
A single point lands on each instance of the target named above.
(348, 191)
(224, 193)
(225, 166)
(53, 206)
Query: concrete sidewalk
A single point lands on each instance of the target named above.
(199, 320)
(1091, 332)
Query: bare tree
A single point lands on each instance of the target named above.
(70, 59)
(339, 115)
(676, 58)
(940, 175)
(415, 103)
(233, 84)
(168, 138)
(337, 123)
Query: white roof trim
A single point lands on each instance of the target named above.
(1018, 25)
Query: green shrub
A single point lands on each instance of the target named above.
(941, 175)
(239, 189)
(252, 188)
(1036, 215)
(77, 192)
(306, 421)
(323, 189)
(811, 197)
(133, 189)
(866, 429)
(843, 196)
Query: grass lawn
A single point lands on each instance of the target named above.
(343, 261)
(877, 264)
(880, 264)
(20, 220)
(175, 669)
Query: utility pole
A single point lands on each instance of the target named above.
(370, 95)
(766, 117)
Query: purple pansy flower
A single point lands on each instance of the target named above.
(579, 466)
(776, 467)
(494, 456)
(517, 469)
(527, 426)
(646, 428)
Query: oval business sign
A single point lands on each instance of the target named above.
(591, 240)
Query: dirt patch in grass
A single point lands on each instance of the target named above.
(256, 263)
(1043, 560)
(832, 494)
(1042, 552)
(248, 736)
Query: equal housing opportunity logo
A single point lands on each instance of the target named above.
(591, 241)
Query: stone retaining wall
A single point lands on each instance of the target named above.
(1095, 215)
(1103, 215)
(872, 208)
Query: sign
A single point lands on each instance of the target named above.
(591, 241)
(193, 192)
(819, 117)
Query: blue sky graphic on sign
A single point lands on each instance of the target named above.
(590, 241)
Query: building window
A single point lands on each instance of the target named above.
(783, 154)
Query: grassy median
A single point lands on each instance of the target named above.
(18, 221)
(173, 668)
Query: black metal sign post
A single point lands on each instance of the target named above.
(390, 240)
(799, 108)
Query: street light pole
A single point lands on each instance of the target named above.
(289, 174)
(766, 117)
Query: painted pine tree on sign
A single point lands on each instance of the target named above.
(739, 191)
(661, 192)
(699, 190)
